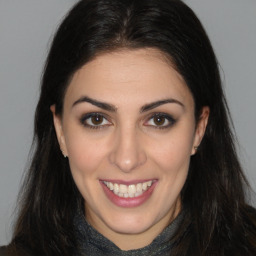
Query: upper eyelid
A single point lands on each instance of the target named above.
(86, 116)
(108, 118)
(90, 114)
(148, 116)
(163, 114)
(169, 117)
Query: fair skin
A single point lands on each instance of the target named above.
(128, 119)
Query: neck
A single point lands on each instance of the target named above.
(132, 241)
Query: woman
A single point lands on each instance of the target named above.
(133, 150)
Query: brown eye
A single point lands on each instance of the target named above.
(159, 120)
(97, 119)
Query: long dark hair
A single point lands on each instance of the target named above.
(217, 219)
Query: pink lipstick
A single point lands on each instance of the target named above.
(128, 194)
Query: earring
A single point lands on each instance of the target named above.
(195, 148)
(65, 156)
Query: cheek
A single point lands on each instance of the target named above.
(172, 153)
(85, 159)
(85, 154)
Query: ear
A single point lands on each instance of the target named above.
(200, 128)
(59, 131)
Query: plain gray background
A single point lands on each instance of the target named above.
(26, 29)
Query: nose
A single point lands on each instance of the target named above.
(127, 152)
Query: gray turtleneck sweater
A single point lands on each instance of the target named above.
(92, 243)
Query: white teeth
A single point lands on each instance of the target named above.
(133, 190)
(139, 188)
(131, 195)
(138, 193)
(123, 188)
(144, 186)
(110, 186)
(116, 188)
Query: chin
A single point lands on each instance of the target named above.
(130, 224)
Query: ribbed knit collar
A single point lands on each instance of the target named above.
(92, 243)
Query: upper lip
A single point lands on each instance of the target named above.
(125, 182)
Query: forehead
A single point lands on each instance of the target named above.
(129, 75)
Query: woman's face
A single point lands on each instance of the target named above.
(128, 129)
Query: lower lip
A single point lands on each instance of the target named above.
(130, 201)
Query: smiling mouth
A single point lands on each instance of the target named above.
(129, 191)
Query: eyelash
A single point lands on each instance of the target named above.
(86, 120)
(167, 119)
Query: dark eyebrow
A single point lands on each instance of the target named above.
(103, 105)
(112, 108)
(159, 103)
